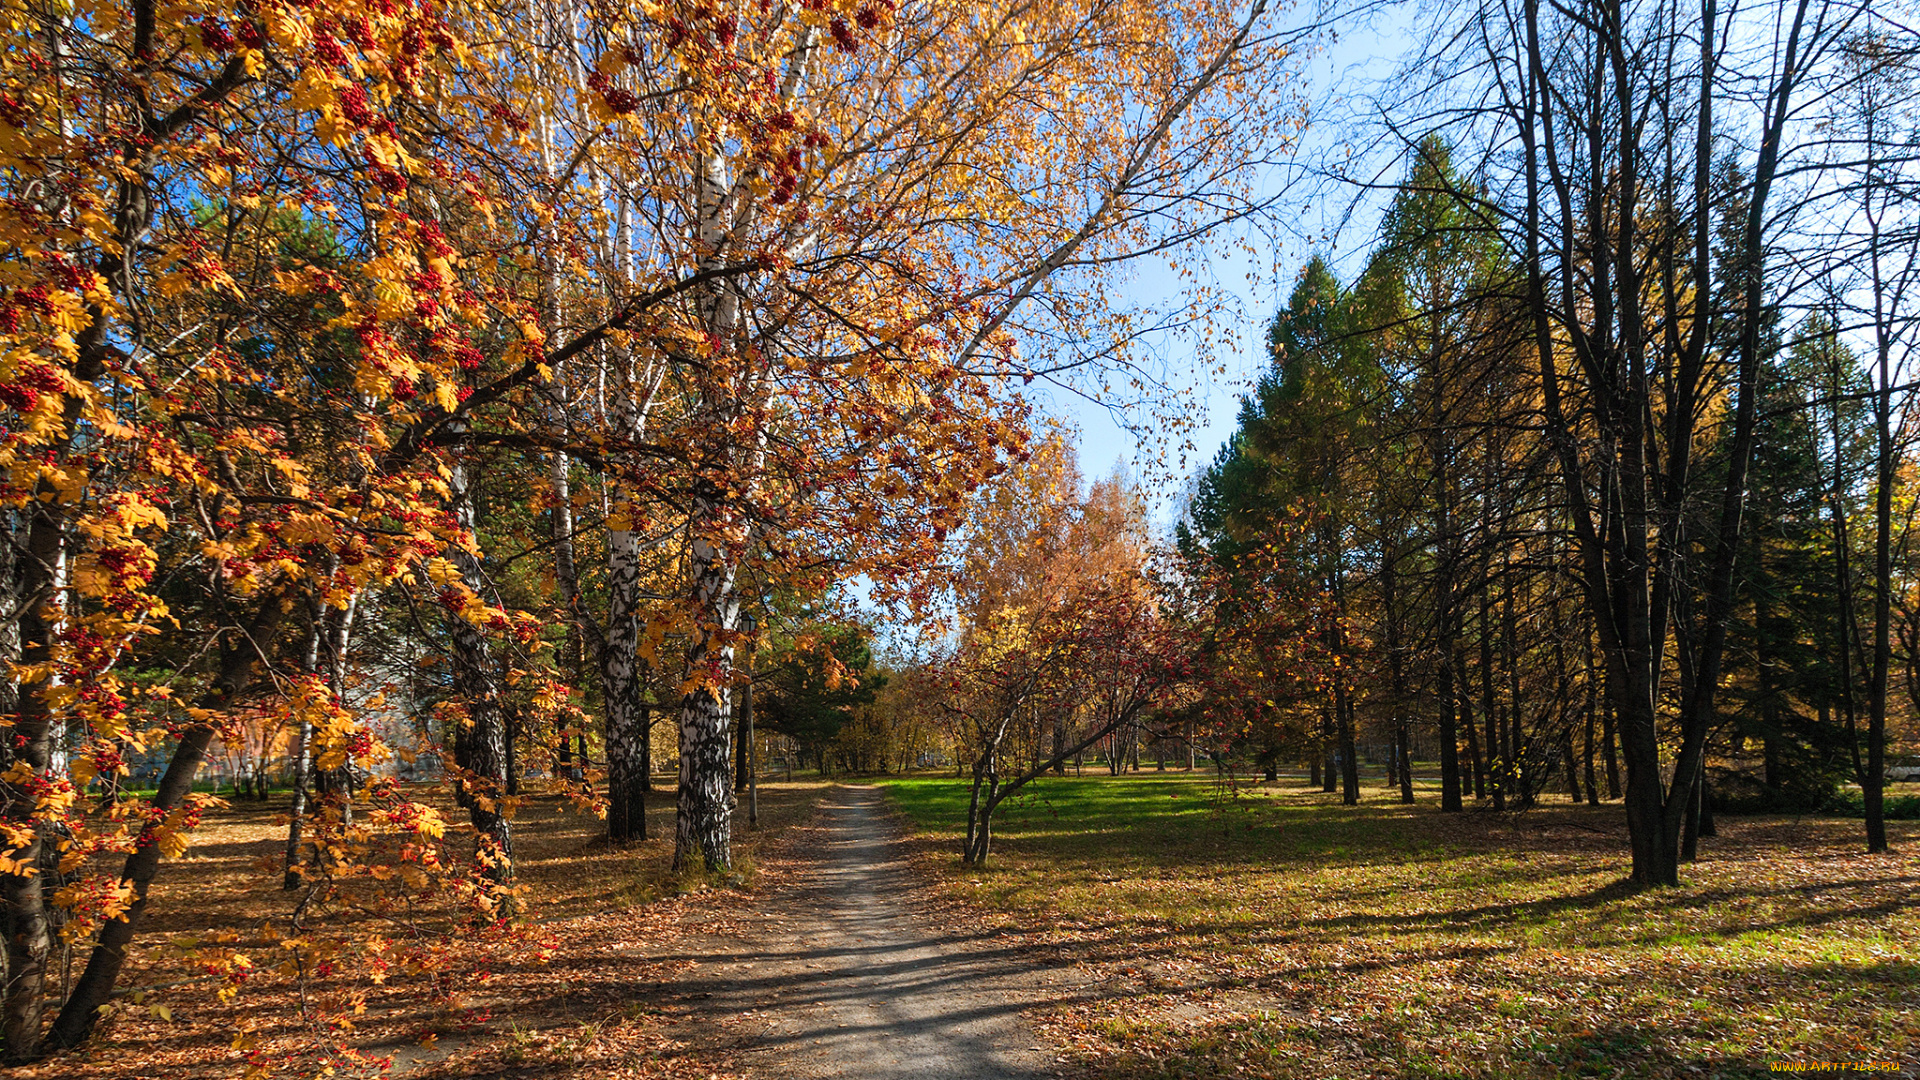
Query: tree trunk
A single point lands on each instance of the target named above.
(1848, 628)
(1690, 828)
(38, 601)
(302, 764)
(95, 988)
(702, 826)
(1707, 827)
(979, 842)
(1593, 787)
(1680, 808)
(1349, 758)
(753, 753)
(1470, 723)
(42, 586)
(1403, 750)
(96, 983)
(511, 738)
(746, 770)
(739, 752)
(973, 812)
(333, 630)
(1609, 746)
(622, 688)
(1329, 771)
(1446, 606)
(482, 749)
(567, 582)
(644, 766)
(1519, 767)
(1496, 754)
(1873, 777)
(1654, 862)
(1449, 737)
(986, 773)
(1397, 679)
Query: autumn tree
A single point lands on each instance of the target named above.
(312, 310)
(1421, 308)
(1302, 432)
(1882, 235)
(871, 206)
(1611, 204)
(1056, 640)
(1113, 651)
(242, 335)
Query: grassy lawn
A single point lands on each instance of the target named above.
(1270, 931)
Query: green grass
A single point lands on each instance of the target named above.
(1270, 931)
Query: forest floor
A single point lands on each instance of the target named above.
(591, 987)
(1147, 926)
(1268, 931)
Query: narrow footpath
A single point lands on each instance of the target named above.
(845, 976)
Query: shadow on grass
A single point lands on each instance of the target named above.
(1543, 910)
(1618, 1051)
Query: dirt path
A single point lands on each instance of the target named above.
(845, 976)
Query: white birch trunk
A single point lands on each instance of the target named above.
(703, 825)
(622, 686)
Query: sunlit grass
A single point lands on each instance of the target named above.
(1268, 930)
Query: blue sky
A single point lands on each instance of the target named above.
(1258, 286)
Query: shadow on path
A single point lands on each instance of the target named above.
(847, 978)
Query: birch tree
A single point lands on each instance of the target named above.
(879, 216)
